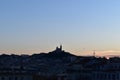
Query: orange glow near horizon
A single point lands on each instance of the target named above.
(76, 52)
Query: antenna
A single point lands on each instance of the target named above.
(94, 53)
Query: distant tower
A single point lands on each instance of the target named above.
(94, 53)
(61, 47)
(57, 48)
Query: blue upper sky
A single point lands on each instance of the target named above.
(33, 26)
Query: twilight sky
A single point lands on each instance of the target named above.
(34, 26)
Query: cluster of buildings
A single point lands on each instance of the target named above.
(102, 69)
(58, 65)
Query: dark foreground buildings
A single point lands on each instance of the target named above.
(58, 65)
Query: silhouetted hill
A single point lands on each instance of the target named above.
(52, 55)
(61, 54)
(56, 54)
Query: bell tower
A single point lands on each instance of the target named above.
(61, 47)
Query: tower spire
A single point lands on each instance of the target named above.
(60, 47)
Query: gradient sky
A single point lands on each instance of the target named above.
(34, 26)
